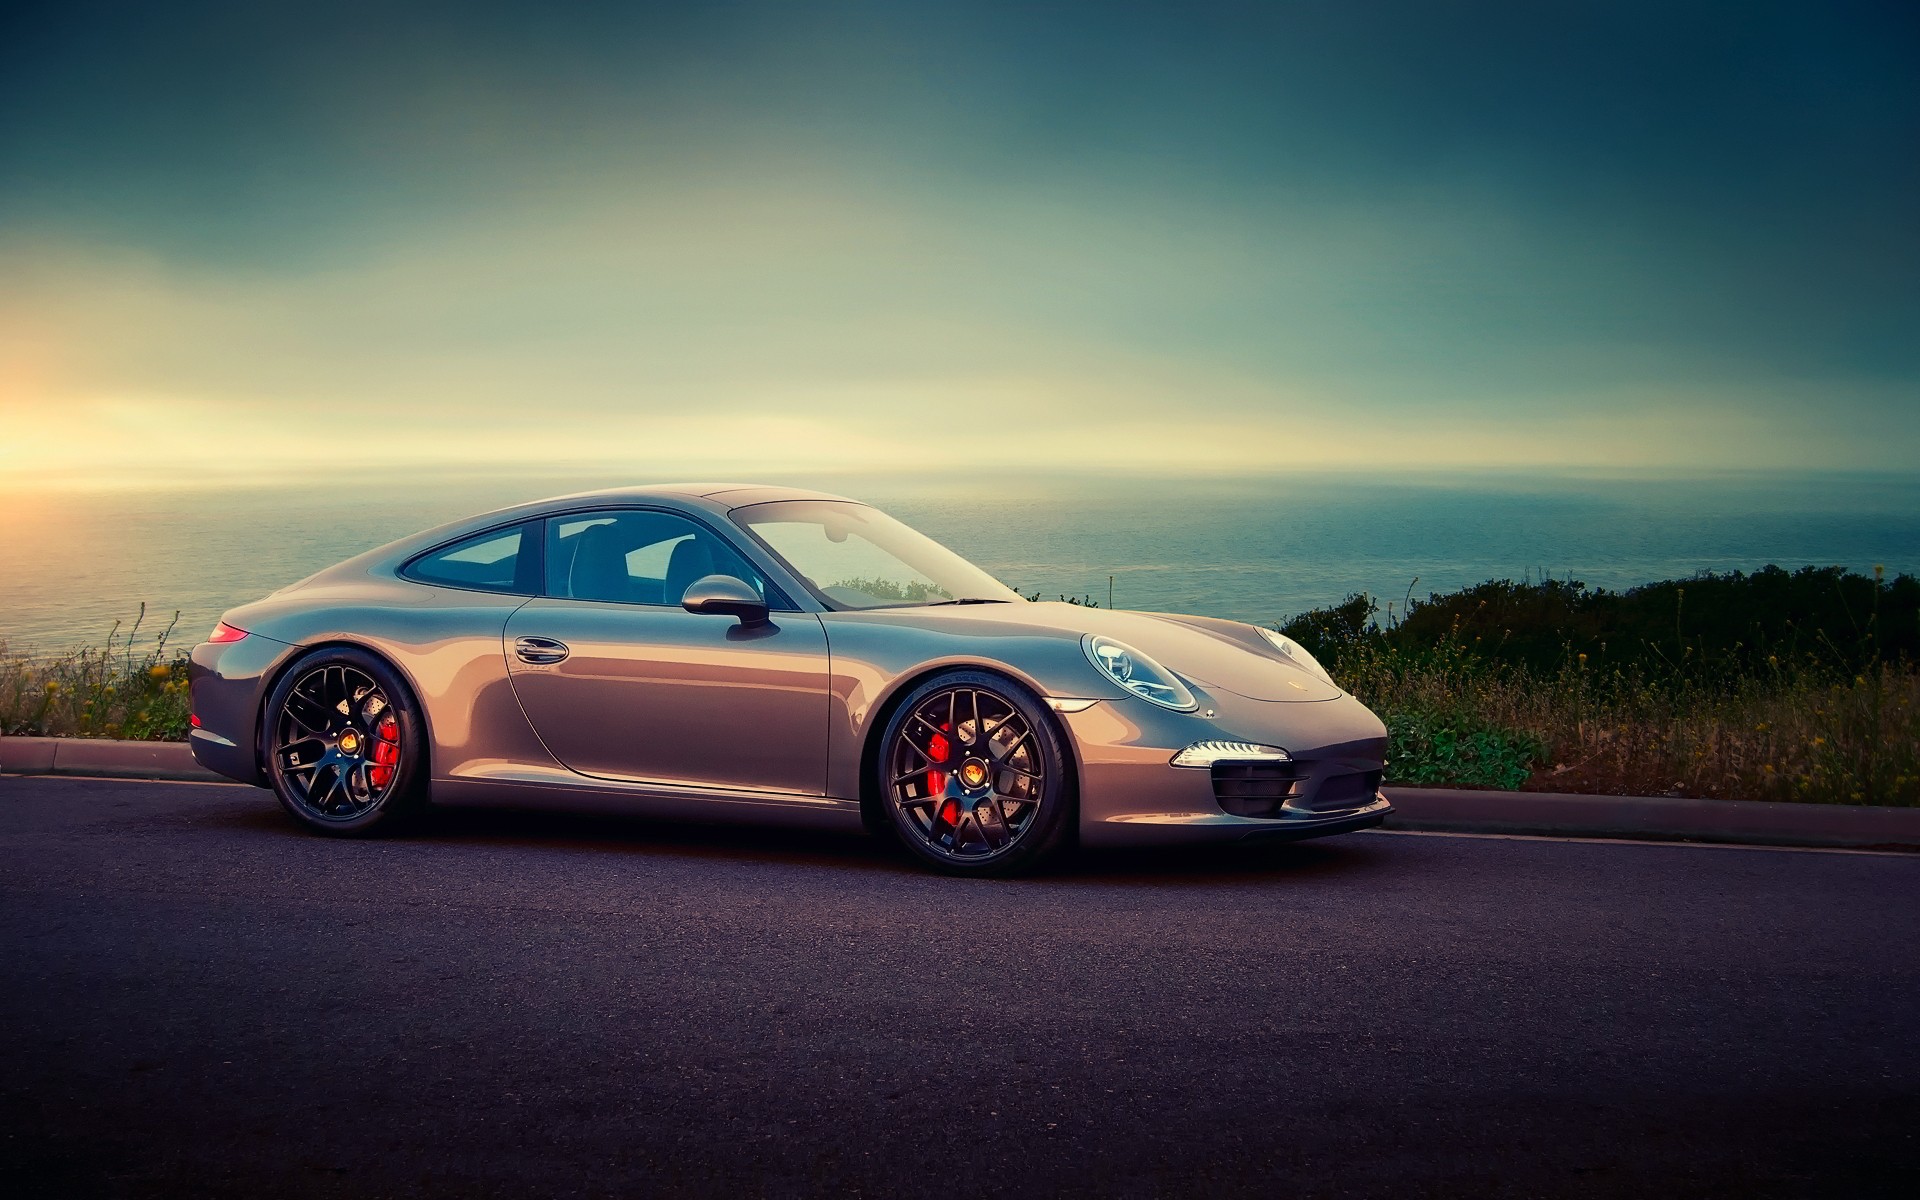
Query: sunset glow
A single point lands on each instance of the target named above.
(768, 238)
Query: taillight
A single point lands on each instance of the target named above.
(224, 632)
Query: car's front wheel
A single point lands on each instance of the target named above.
(973, 776)
(345, 747)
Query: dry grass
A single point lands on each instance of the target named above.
(1789, 734)
(134, 687)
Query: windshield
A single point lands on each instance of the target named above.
(859, 557)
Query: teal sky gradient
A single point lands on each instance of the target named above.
(743, 238)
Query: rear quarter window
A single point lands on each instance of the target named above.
(495, 561)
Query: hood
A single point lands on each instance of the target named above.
(1224, 655)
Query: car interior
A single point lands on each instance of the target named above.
(636, 558)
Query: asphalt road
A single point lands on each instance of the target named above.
(200, 1000)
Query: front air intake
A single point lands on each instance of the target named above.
(1254, 789)
(1265, 789)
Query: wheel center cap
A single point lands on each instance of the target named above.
(973, 773)
(350, 742)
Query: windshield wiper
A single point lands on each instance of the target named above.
(966, 600)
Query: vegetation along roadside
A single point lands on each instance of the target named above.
(1775, 685)
(1771, 686)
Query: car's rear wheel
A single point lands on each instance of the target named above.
(973, 776)
(345, 747)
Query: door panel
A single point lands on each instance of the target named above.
(667, 696)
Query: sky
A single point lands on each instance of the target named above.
(262, 240)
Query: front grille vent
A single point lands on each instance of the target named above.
(1254, 789)
(1263, 789)
(1340, 792)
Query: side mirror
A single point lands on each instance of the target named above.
(724, 595)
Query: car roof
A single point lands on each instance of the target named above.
(713, 497)
(719, 495)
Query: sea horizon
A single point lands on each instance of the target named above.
(1249, 546)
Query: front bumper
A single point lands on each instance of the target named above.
(1131, 794)
(1161, 829)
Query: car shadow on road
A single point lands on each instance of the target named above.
(1175, 866)
(649, 835)
(625, 833)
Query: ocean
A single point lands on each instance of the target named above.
(1252, 548)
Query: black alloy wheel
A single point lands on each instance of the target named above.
(344, 748)
(973, 776)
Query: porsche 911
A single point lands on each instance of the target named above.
(766, 654)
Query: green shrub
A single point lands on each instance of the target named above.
(1457, 749)
(1713, 627)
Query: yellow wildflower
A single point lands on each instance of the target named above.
(160, 672)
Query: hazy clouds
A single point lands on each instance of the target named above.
(756, 237)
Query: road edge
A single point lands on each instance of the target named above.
(1437, 810)
(102, 758)
(1655, 818)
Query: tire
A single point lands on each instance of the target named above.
(928, 770)
(344, 744)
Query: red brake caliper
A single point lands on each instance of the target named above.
(386, 751)
(938, 749)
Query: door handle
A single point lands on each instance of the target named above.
(539, 650)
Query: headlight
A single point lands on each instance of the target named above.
(1295, 651)
(1138, 674)
(1205, 754)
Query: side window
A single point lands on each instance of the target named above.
(491, 562)
(636, 557)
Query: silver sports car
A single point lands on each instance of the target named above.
(767, 654)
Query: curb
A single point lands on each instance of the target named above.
(1656, 818)
(102, 758)
(1437, 810)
